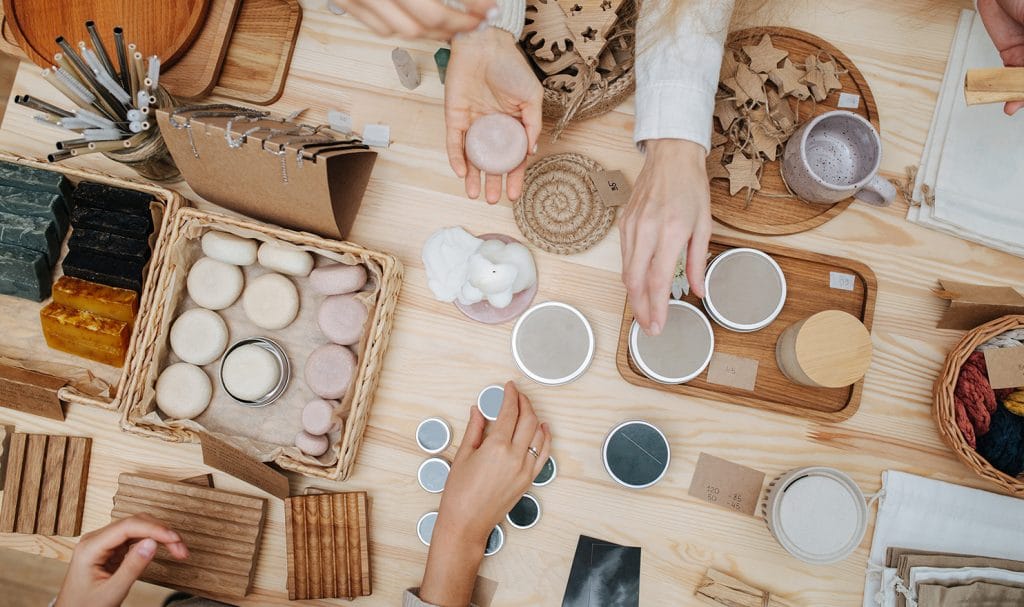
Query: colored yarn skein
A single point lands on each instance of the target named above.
(1014, 402)
(974, 399)
(1003, 445)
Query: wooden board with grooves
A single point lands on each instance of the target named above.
(44, 484)
(328, 546)
(165, 29)
(221, 529)
(196, 73)
(260, 51)
(809, 277)
(773, 210)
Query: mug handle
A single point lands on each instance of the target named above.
(879, 192)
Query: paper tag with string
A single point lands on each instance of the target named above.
(612, 187)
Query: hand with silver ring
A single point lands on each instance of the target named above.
(489, 474)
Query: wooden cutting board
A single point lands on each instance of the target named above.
(162, 28)
(260, 52)
(196, 73)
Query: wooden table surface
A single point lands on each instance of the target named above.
(438, 360)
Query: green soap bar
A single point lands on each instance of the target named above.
(24, 273)
(111, 198)
(115, 222)
(30, 178)
(105, 270)
(105, 243)
(34, 204)
(31, 233)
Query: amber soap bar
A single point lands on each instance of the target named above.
(85, 334)
(101, 300)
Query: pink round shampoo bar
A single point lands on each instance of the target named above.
(313, 445)
(329, 371)
(341, 319)
(496, 143)
(338, 279)
(318, 416)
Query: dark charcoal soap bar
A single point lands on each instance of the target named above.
(24, 273)
(31, 233)
(34, 204)
(106, 243)
(105, 270)
(115, 222)
(30, 178)
(111, 198)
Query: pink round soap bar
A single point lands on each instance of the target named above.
(341, 319)
(496, 143)
(318, 417)
(313, 445)
(338, 279)
(329, 370)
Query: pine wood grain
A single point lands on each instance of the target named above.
(259, 55)
(222, 530)
(772, 210)
(196, 73)
(808, 292)
(901, 47)
(165, 29)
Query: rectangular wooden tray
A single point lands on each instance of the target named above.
(808, 277)
(21, 337)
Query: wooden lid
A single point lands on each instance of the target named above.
(833, 349)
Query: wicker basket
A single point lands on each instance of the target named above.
(944, 410)
(163, 305)
(171, 202)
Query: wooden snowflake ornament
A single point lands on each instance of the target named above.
(546, 30)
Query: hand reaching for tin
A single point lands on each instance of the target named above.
(488, 74)
(1004, 20)
(418, 18)
(106, 562)
(488, 476)
(669, 211)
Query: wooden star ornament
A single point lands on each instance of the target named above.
(726, 113)
(746, 86)
(716, 164)
(743, 174)
(764, 57)
(787, 79)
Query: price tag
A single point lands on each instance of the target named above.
(732, 371)
(842, 281)
(1005, 367)
(612, 187)
(726, 484)
(848, 101)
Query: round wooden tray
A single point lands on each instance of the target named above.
(767, 214)
(164, 29)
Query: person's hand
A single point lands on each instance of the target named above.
(488, 476)
(418, 18)
(488, 74)
(1004, 20)
(669, 211)
(106, 562)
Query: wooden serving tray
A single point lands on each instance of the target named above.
(260, 51)
(773, 210)
(808, 278)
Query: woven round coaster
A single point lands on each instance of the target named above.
(560, 210)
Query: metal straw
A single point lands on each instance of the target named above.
(101, 51)
(122, 60)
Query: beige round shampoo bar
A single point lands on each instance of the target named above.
(680, 352)
(818, 514)
(745, 289)
(831, 349)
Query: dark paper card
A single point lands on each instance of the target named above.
(603, 575)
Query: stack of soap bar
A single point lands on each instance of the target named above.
(101, 300)
(33, 223)
(110, 241)
(85, 334)
(24, 273)
(104, 269)
(28, 178)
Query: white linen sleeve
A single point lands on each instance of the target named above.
(677, 76)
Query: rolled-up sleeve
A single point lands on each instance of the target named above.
(677, 75)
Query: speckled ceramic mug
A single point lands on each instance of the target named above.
(834, 156)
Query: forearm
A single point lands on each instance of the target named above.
(677, 73)
(452, 565)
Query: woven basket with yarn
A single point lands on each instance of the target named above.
(944, 408)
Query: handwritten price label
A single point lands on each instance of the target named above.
(842, 281)
(726, 484)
